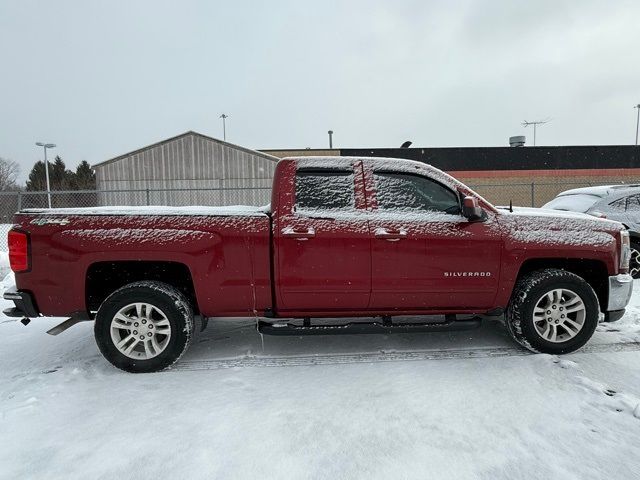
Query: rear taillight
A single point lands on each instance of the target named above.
(18, 251)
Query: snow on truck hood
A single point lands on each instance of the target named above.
(528, 212)
(233, 210)
(539, 225)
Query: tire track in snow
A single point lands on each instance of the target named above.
(335, 359)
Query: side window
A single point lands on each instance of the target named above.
(619, 205)
(324, 190)
(404, 191)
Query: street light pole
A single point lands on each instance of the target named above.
(224, 126)
(637, 107)
(46, 167)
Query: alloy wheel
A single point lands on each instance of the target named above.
(140, 331)
(559, 315)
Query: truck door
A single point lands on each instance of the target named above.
(425, 255)
(322, 241)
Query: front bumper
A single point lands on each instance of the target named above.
(620, 288)
(25, 306)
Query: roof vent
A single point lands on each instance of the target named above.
(517, 141)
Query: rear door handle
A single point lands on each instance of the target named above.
(390, 235)
(291, 232)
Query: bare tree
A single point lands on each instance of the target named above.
(9, 171)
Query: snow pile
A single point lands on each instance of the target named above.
(627, 329)
(4, 265)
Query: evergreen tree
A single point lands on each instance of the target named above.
(85, 178)
(37, 181)
(60, 177)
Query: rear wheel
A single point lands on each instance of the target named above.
(144, 327)
(552, 311)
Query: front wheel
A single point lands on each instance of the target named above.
(552, 311)
(144, 327)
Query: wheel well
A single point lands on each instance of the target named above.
(104, 278)
(593, 271)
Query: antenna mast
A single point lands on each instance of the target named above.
(535, 123)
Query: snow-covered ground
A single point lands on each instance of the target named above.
(463, 405)
(4, 229)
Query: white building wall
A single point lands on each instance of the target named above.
(188, 170)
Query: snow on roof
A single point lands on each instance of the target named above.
(378, 163)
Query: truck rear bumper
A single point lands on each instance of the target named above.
(25, 306)
(620, 288)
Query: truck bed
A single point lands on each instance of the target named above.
(223, 253)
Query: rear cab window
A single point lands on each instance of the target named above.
(325, 190)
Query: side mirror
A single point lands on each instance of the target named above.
(471, 209)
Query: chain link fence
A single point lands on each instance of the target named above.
(536, 194)
(533, 194)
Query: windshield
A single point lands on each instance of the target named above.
(574, 203)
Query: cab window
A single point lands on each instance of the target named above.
(408, 192)
(321, 189)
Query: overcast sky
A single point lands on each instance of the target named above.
(103, 78)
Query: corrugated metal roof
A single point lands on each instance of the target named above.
(190, 132)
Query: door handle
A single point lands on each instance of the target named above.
(390, 235)
(291, 232)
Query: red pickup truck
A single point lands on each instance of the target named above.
(343, 237)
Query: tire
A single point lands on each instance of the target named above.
(634, 261)
(161, 317)
(556, 291)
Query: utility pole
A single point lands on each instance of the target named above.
(637, 107)
(535, 123)
(46, 166)
(330, 132)
(224, 126)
